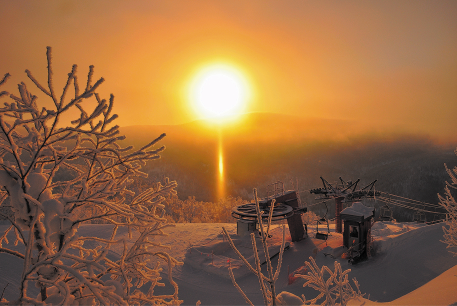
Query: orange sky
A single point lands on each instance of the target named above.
(384, 63)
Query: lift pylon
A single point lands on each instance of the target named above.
(344, 192)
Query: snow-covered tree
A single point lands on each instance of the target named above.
(52, 173)
(449, 203)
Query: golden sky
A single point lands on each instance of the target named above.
(383, 63)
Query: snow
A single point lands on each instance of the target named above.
(411, 266)
(358, 209)
(216, 255)
(438, 291)
(287, 298)
(390, 233)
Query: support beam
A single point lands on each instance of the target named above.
(296, 229)
(338, 209)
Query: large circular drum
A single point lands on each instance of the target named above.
(248, 212)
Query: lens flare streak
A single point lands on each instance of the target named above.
(221, 177)
(221, 166)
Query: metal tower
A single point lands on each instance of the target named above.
(344, 192)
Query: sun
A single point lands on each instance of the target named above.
(219, 90)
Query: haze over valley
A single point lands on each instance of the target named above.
(262, 148)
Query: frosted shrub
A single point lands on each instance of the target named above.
(56, 175)
(223, 209)
(193, 211)
(188, 211)
(449, 203)
(333, 287)
(309, 217)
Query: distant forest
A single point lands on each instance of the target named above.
(267, 150)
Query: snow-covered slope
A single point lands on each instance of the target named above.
(438, 291)
(411, 266)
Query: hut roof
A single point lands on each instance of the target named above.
(358, 209)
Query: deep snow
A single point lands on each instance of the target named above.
(410, 264)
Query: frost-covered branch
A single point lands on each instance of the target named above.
(8, 251)
(333, 287)
(57, 174)
(267, 283)
(448, 202)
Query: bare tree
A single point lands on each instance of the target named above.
(37, 145)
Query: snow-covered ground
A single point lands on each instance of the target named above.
(410, 267)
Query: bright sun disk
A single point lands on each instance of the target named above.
(219, 91)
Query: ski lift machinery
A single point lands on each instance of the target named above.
(346, 191)
(386, 213)
(286, 207)
(419, 216)
(323, 220)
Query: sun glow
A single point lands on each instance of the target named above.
(221, 165)
(219, 93)
(220, 179)
(219, 90)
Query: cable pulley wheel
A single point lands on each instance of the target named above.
(248, 212)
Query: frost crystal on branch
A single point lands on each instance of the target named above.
(56, 175)
(449, 203)
(333, 287)
(267, 283)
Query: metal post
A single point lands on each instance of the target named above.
(338, 209)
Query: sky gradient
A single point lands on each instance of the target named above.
(386, 64)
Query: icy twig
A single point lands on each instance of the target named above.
(3, 291)
(232, 245)
(269, 296)
(259, 270)
(232, 277)
(5, 78)
(8, 251)
(334, 289)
